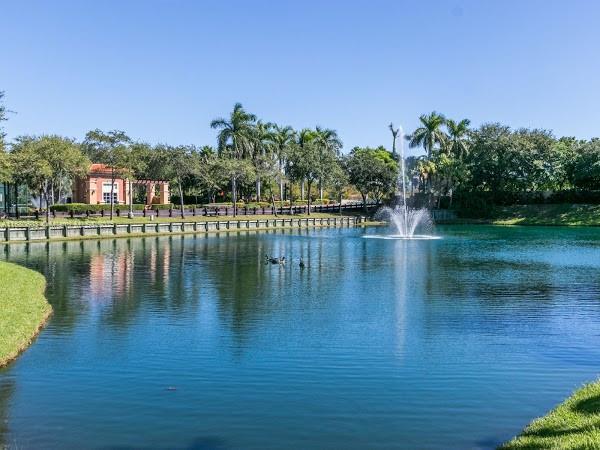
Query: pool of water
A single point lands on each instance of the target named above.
(195, 342)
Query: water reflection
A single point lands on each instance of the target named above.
(364, 348)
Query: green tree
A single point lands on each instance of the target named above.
(337, 180)
(111, 149)
(6, 169)
(395, 132)
(48, 165)
(283, 138)
(235, 138)
(178, 165)
(134, 164)
(458, 134)
(209, 172)
(328, 145)
(262, 144)
(303, 165)
(587, 165)
(373, 171)
(238, 171)
(429, 134)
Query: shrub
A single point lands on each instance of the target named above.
(82, 208)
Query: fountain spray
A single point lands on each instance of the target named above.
(403, 175)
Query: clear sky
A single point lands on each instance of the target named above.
(161, 70)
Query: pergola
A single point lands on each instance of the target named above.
(163, 193)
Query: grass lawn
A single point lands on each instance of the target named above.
(574, 424)
(161, 219)
(23, 309)
(557, 214)
(560, 214)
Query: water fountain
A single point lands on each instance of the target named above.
(409, 223)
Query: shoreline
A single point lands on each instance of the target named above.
(573, 423)
(25, 235)
(25, 315)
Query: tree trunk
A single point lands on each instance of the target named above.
(273, 207)
(309, 185)
(234, 195)
(258, 189)
(181, 200)
(280, 180)
(112, 193)
(302, 190)
(364, 197)
(340, 203)
(17, 213)
(130, 199)
(291, 199)
(47, 209)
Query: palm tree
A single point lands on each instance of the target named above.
(235, 137)
(329, 145)
(302, 138)
(262, 143)
(282, 138)
(395, 132)
(429, 133)
(458, 133)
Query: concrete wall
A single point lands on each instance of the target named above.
(24, 234)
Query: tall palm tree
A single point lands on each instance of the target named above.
(262, 143)
(235, 138)
(305, 136)
(429, 133)
(458, 133)
(235, 133)
(329, 145)
(282, 139)
(395, 132)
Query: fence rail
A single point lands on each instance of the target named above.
(27, 234)
(207, 211)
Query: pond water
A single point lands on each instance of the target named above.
(194, 342)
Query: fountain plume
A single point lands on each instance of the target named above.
(407, 221)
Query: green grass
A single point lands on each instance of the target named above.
(561, 214)
(161, 219)
(574, 424)
(23, 309)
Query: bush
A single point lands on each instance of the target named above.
(162, 206)
(82, 208)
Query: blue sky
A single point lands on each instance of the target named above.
(161, 70)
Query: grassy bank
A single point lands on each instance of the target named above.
(23, 309)
(562, 214)
(161, 219)
(574, 424)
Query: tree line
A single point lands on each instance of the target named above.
(461, 167)
(252, 160)
(498, 165)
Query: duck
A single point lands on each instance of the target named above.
(302, 265)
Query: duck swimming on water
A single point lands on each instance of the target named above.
(302, 265)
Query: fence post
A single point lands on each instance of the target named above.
(47, 231)
(114, 228)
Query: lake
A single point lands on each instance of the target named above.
(194, 342)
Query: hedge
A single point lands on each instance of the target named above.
(82, 208)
